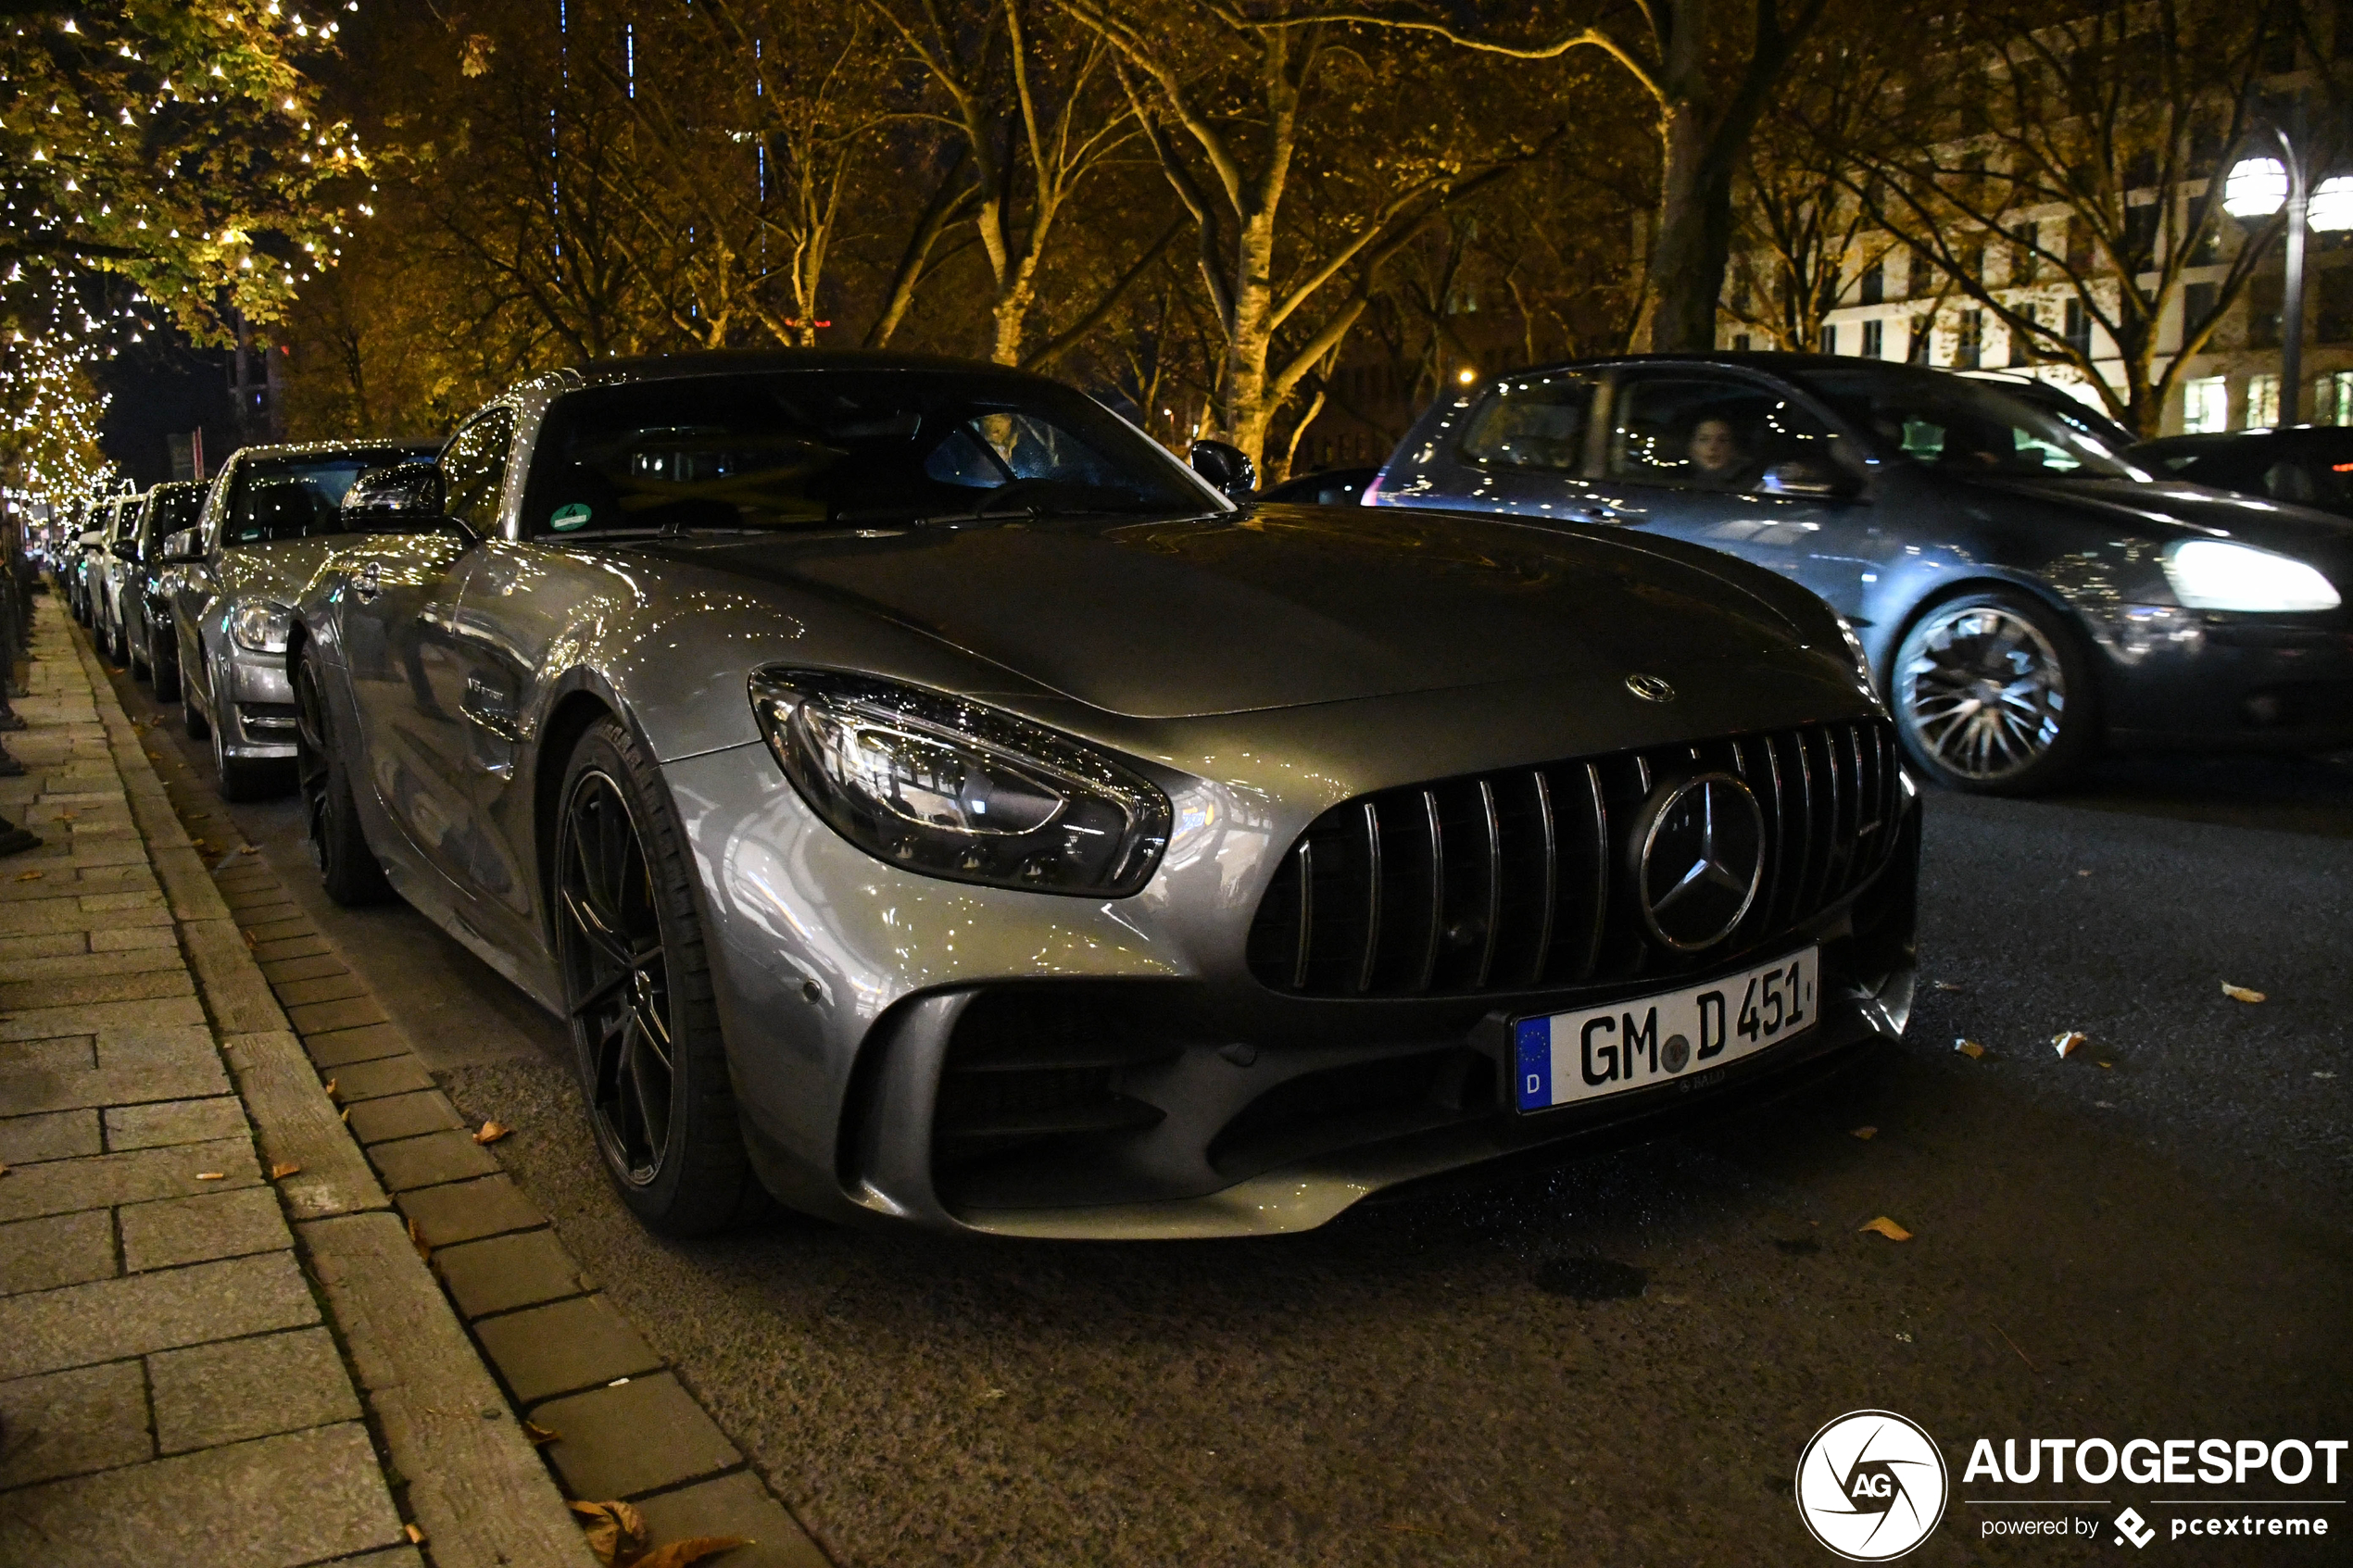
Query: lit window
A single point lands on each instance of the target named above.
(2262, 402)
(2205, 406)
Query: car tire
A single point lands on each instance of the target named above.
(636, 977)
(1994, 692)
(164, 654)
(347, 866)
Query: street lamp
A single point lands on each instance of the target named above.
(2258, 187)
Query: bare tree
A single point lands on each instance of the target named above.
(2086, 151)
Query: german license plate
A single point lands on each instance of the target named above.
(1566, 1057)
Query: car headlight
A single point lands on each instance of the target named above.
(261, 628)
(2215, 574)
(952, 789)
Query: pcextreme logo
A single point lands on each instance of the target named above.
(1871, 1486)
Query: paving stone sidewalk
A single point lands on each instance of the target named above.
(217, 1347)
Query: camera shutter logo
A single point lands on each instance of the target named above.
(1871, 1486)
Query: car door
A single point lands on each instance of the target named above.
(1738, 464)
(399, 635)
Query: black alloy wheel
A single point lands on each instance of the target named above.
(637, 993)
(347, 867)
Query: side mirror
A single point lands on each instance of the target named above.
(185, 545)
(1805, 476)
(1228, 470)
(403, 498)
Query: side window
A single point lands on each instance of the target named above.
(474, 470)
(1708, 432)
(1535, 422)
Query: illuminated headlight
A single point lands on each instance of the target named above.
(2213, 574)
(952, 789)
(261, 628)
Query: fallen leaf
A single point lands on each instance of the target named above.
(2111, 1066)
(69, 816)
(1947, 985)
(30, 876)
(416, 1536)
(347, 1116)
(678, 1554)
(1866, 1133)
(331, 1091)
(2065, 1044)
(2323, 1075)
(3, 1169)
(1970, 1048)
(492, 1132)
(616, 1532)
(1904, 1337)
(2082, 873)
(2104, 1105)
(1887, 1228)
(283, 1168)
(249, 849)
(417, 1239)
(538, 1434)
(2240, 993)
(212, 1176)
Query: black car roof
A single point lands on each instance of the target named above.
(738, 361)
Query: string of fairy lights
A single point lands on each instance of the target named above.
(161, 161)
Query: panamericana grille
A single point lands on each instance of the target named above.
(1522, 878)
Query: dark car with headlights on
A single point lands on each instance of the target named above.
(930, 802)
(2025, 596)
(231, 580)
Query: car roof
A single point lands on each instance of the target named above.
(335, 448)
(742, 361)
(2218, 441)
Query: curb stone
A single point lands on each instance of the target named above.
(628, 1427)
(475, 1488)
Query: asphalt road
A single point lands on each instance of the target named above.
(2148, 1238)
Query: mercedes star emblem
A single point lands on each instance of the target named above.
(1701, 859)
(1650, 688)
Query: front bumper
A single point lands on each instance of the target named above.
(910, 1051)
(254, 705)
(2198, 679)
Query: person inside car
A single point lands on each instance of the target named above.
(1718, 455)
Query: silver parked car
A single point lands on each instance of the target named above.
(232, 581)
(930, 802)
(108, 570)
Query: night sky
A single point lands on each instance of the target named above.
(162, 388)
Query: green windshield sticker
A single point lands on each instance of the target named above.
(566, 519)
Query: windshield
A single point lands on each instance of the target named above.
(276, 498)
(808, 448)
(1950, 424)
(170, 510)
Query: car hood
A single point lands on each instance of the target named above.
(2173, 509)
(1282, 606)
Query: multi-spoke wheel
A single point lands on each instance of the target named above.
(1994, 694)
(637, 990)
(347, 867)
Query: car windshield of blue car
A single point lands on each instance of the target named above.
(275, 498)
(1953, 425)
(819, 449)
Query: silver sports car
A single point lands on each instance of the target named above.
(929, 801)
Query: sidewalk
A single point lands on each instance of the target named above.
(218, 1346)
